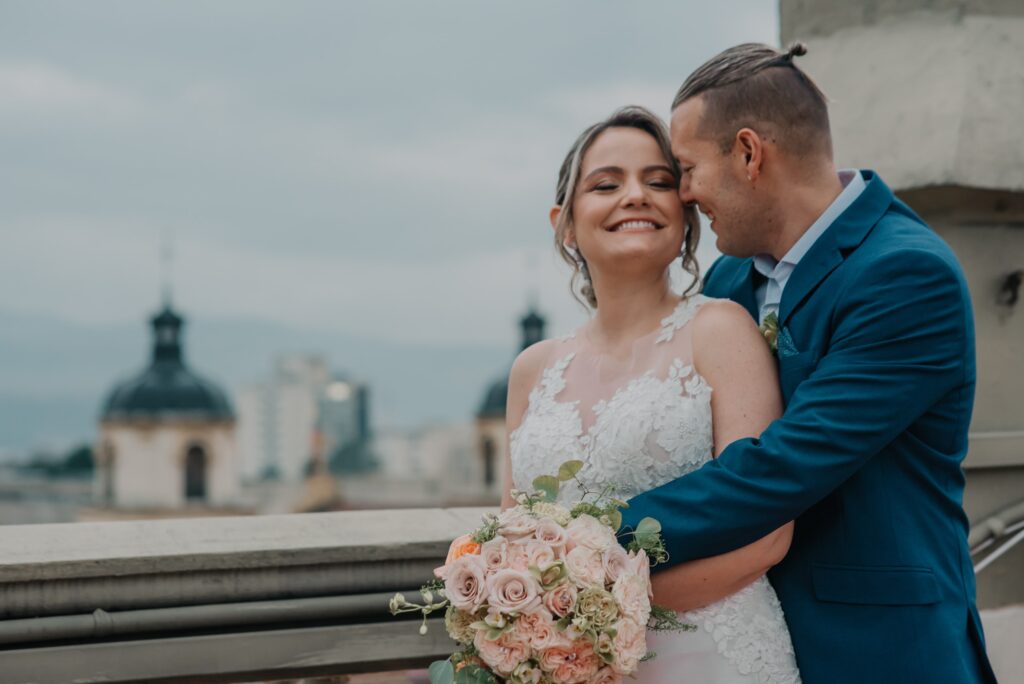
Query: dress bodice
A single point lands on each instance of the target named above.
(636, 422)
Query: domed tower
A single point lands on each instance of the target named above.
(490, 419)
(167, 435)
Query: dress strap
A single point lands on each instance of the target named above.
(683, 313)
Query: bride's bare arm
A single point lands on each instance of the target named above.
(732, 356)
(525, 373)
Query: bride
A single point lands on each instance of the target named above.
(650, 388)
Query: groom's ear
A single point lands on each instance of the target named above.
(750, 149)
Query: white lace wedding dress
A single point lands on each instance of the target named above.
(638, 423)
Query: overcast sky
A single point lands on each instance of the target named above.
(380, 168)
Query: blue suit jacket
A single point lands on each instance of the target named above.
(876, 363)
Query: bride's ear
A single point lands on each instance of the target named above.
(555, 212)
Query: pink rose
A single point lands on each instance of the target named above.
(494, 553)
(552, 534)
(561, 599)
(515, 556)
(571, 664)
(514, 523)
(614, 559)
(588, 531)
(464, 583)
(538, 629)
(630, 592)
(503, 654)
(630, 645)
(585, 567)
(512, 591)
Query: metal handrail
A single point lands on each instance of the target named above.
(1003, 530)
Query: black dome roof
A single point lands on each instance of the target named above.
(167, 388)
(494, 404)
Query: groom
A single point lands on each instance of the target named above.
(876, 361)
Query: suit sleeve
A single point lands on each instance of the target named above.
(899, 339)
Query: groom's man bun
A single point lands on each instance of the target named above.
(755, 86)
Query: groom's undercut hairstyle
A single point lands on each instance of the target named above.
(755, 86)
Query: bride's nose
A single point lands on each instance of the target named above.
(635, 193)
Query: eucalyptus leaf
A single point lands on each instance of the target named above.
(568, 470)
(441, 672)
(547, 485)
(615, 517)
(474, 674)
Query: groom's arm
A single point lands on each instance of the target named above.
(899, 342)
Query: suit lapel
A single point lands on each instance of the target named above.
(845, 233)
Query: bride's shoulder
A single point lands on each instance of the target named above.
(719, 319)
(530, 363)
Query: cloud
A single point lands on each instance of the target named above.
(36, 88)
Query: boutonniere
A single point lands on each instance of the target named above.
(770, 330)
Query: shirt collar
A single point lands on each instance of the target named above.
(853, 185)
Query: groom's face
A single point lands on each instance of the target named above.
(715, 182)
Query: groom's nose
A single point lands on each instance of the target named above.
(684, 191)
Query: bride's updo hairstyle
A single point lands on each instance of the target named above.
(568, 181)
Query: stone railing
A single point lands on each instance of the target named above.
(219, 599)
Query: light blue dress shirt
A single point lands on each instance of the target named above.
(769, 293)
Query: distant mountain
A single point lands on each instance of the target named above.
(55, 374)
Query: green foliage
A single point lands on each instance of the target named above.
(488, 531)
(548, 486)
(667, 620)
(441, 672)
(647, 536)
(474, 674)
(569, 469)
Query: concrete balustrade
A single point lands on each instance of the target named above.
(219, 599)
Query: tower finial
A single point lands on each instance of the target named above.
(166, 261)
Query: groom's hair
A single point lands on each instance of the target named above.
(755, 86)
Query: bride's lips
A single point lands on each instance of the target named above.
(634, 226)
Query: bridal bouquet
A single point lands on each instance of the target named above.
(545, 594)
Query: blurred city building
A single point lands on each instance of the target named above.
(303, 414)
(166, 435)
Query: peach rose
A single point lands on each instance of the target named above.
(465, 583)
(585, 567)
(571, 664)
(504, 654)
(513, 591)
(630, 645)
(538, 629)
(460, 547)
(588, 531)
(561, 599)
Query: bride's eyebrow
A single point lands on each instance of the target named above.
(604, 169)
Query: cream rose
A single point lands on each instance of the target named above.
(615, 560)
(630, 645)
(512, 591)
(585, 567)
(515, 523)
(539, 555)
(464, 583)
(588, 531)
(630, 593)
(551, 533)
(494, 553)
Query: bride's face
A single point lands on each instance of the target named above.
(627, 207)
